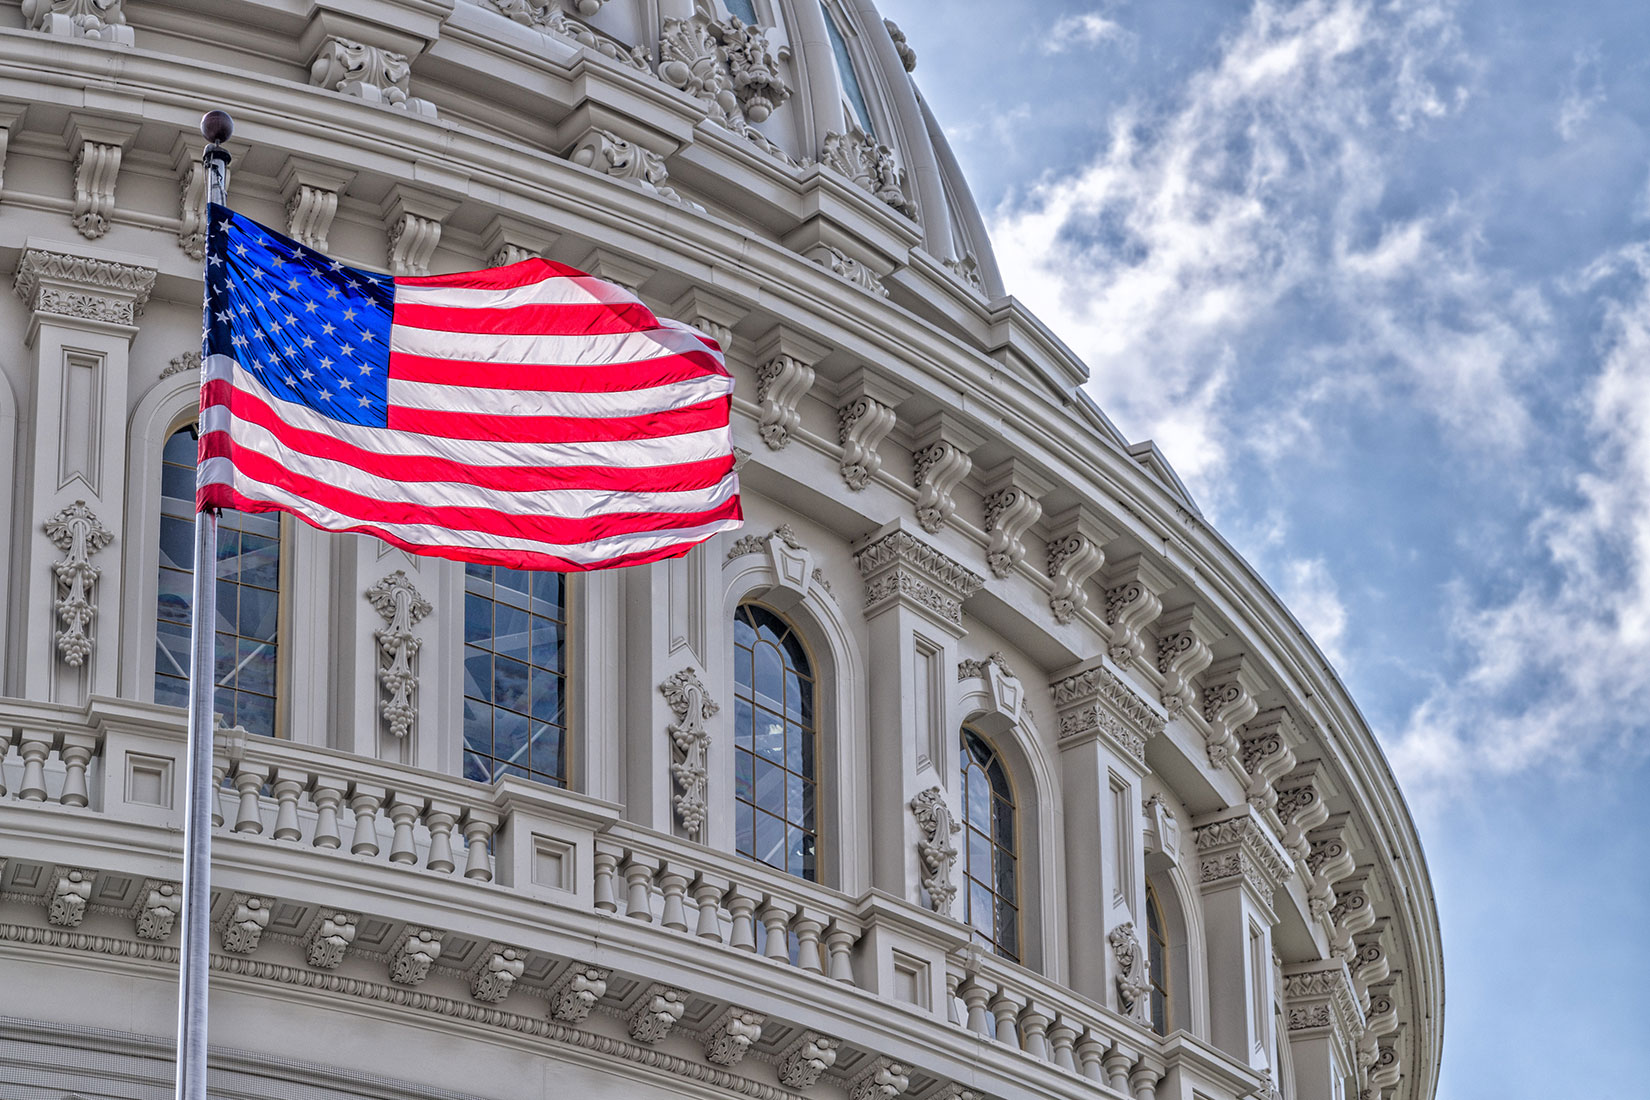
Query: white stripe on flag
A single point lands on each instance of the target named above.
(491, 402)
(550, 351)
(564, 290)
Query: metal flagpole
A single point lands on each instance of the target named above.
(197, 823)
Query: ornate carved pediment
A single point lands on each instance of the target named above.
(793, 568)
(1096, 702)
(693, 707)
(900, 568)
(1241, 847)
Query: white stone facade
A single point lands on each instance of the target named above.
(956, 535)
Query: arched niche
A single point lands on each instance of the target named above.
(1183, 928)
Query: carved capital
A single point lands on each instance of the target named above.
(900, 568)
(1184, 638)
(1319, 996)
(1096, 702)
(369, 73)
(934, 847)
(83, 288)
(693, 707)
(402, 608)
(1240, 847)
(78, 533)
(1076, 552)
(1134, 591)
(1230, 689)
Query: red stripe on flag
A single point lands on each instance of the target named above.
(537, 319)
(606, 378)
(526, 273)
(562, 429)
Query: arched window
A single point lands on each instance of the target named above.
(743, 10)
(1157, 956)
(515, 675)
(249, 598)
(991, 900)
(774, 744)
(853, 96)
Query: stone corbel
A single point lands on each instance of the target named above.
(784, 376)
(508, 240)
(1162, 828)
(367, 72)
(81, 289)
(310, 191)
(70, 893)
(1388, 1068)
(1230, 690)
(1013, 493)
(693, 707)
(856, 271)
(1184, 638)
(97, 146)
(731, 1035)
(415, 951)
(1382, 1016)
(11, 115)
(77, 532)
(623, 271)
(1302, 806)
(655, 1012)
(711, 314)
(1329, 861)
(1004, 690)
(865, 415)
(413, 221)
(245, 918)
(577, 991)
(158, 910)
(497, 972)
(934, 847)
(1353, 911)
(1267, 752)
(1134, 597)
(1133, 979)
(940, 451)
(883, 1079)
(1095, 702)
(402, 608)
(186, 159)
(900, 568)
(627, 161)
(806, 1059)
(1368, 961)
(94, 20)
(1076, 552)
(329, 939)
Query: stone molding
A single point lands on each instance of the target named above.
(1241, 848)
(402, 608)
(82, 287)
(79, 534)
(693, 707)
(838, 262)
(900, 568)
(1096, 702)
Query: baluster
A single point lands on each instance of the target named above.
(249, 815)
(220, 770)
(364, 801)
(285, 788)
(1118, 1063)
(327, 795)
(404, 812)
(1034, 1026)
(839, 948)
(1147, 1073)
(952, 980)
(1062, 1036)
(975, 996)
(807, 928)
(606, 862)
(480, 826)
(5, 749)
(34, 747)
(638, 877)
(707, 895)
(1091, 1052)
(776, 914)
(439, 819)
(673, 884)
(76, 753)
(740, 908)
(1006, 1008)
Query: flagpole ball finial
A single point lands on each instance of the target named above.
(216, 126)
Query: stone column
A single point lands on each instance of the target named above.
(1104, 727)
(1324, 1020)
(83, 306)
(913, 607)
(1240, 864)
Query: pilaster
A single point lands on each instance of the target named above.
(1324, 1021)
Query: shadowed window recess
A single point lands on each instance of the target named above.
(775, 745)
(1157, 956)
(515, 674)
(249, 598)
(991, 895)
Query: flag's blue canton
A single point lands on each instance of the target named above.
(310, 329)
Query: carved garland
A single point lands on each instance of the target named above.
(935, 849)
(403, 608)
(1133, 979)
(78, 533)
(693, 707)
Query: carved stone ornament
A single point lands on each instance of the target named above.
(412, 241)
(732, 1035)
(968, 668)
(158, 912)
(96, 20)
(758, 544)
(751, 64)
(900, 568)
(937, 470)
(82, 288)
(608, 153)
(862, 424)
(870, 165)
(840, 263)
(1162, 832)
(96, 167)
(1229, 692)
(192, 209)
(311, 190)
(71, 892)
(576, 992)
(935, 849)
(414, 953)
(1009, 512)
(907, 55)
(546, 15)
(77, 532)
(810, 1056)
(1301, 808)
(781, 383)
(1328, 862)
(884, 1079)
(330, 938)
(497, 973)
(1096, 702)
(369, 73)
(655, 1012)
(1241, 848)
(1183, 641)
(966, 269)
(402, 608)
(1132, 604)
(244, 922)
(1266, 752)
(693, 707)
(189, 360)
(1320, 995)
(1133, 977)
(1072, 559)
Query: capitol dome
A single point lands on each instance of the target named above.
(976, 765)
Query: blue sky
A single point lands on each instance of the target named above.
(1375, 274)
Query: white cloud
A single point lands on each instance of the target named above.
(1081, 30)
(1310, 592)
(1583, 93)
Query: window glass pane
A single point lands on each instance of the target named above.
(743, 10)
(991, 859)
(845, 72)
(774, 741)
(515, 705)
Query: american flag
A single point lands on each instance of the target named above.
(530, 415)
